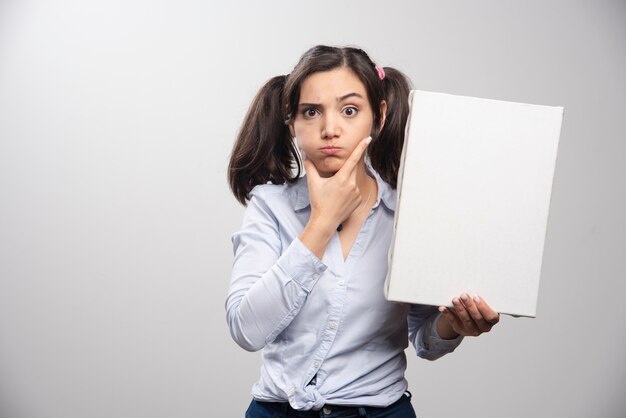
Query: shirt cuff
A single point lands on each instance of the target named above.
(434, 342)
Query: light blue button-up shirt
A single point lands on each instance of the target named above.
(327, 332)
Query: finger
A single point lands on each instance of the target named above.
(453, 317)
(477, 316)
(491, 316)
(354, 158)
(469, 325)
(450, 316)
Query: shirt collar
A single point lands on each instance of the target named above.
(300, 193)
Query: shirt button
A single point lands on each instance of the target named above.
(294, 312)
(341, 282)
(316, 364)
(332, 325)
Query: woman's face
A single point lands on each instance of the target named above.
(333, 116)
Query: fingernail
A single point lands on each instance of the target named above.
(455, 300)
(368, 139)
(442, 309)
(464, 297)
(476, 299)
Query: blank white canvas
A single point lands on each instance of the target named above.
(473, 199)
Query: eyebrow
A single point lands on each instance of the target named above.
(339, 99)
(347, 96)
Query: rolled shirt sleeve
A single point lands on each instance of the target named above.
(423, 333)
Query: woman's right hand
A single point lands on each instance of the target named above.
(332, 199)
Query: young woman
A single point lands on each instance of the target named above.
(311, 255)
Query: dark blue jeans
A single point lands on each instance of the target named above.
(402, 408)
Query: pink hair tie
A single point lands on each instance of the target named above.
(381, 72)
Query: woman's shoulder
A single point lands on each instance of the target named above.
(279, 192)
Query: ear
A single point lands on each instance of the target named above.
(292, 131)
(383, 114)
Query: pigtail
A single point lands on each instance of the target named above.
(264, 151)
(386, 149)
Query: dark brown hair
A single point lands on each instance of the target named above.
(264, 151)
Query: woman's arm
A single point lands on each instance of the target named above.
(269, 285)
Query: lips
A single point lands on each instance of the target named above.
(330, 150)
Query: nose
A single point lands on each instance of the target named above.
(330, 127)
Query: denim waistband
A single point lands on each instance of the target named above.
(332, 411)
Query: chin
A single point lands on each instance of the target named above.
(326, 173)
(328, 170)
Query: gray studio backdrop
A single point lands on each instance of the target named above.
(116, 122)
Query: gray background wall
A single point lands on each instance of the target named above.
(116, 122)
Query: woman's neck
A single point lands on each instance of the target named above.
(368, 188)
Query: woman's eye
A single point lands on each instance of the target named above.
(309, 113)
(350, 111)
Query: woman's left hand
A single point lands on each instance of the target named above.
(469, 316)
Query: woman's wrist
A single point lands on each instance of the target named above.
(316, 236)
(444, 329)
